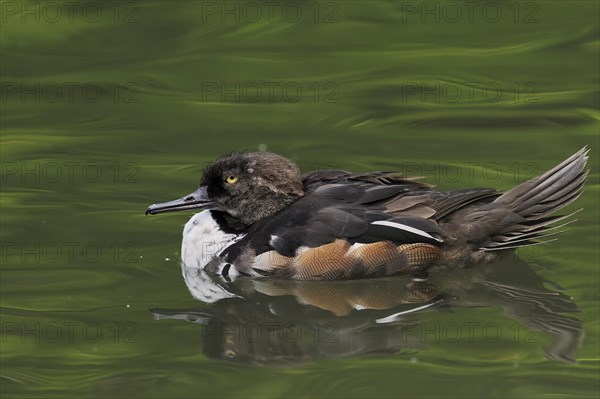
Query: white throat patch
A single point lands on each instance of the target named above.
(203, 241)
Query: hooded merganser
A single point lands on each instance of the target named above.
(261, 217)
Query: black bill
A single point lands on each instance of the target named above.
(195, 200)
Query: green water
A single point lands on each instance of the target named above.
(108, 107)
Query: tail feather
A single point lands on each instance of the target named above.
(545, 208)
(521, 234)
(534, 200)
(526, 238)
(519, 245)
(573, 187)
(556, 181)
(542, 223)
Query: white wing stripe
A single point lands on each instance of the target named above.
(396, 316)
(404, 227)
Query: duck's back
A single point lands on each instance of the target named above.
(352, 226)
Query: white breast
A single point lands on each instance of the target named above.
(204, 287)
(203, 241)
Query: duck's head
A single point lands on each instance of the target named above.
(247, 186)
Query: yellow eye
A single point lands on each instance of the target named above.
(229, 353)
(232, 179)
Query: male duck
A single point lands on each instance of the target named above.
(261, 217)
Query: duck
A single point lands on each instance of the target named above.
(259, 216)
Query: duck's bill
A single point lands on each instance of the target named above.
(196, 200)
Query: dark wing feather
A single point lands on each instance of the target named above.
(314, 180)
(320, 228)
(400, 195)
(447, 202)
(336, 211)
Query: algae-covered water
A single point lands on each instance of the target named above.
(107, 107)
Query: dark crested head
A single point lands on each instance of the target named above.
(247, 186)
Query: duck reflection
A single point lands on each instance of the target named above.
(293, 322)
